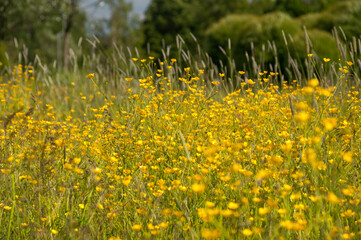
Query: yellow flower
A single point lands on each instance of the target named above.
(282, 211)
(97, 170)
(347, 235)
(53, 231)
(247, 232)
(302, 117)
(137, 227)
(209, 204)
(81, 206)
(227, 213)
(232, 206)
(332, 198)
(347, 157)
(111, 215)
(287, 146)
(309, 156)
(76, 160)
(348, 213)
(295, 196)
(313, 82)
(198, 187)
(263, 174)
(164, 225)
(210, 233)
(263, 211)
(126, 180)
(330, 123)
(245, 201)
(33, 182)
(90, 75)
(308, 90)
(314, 199)
(251, 82)
(10, 159)
(348, 192)
(67, 166)
(78, 170)
(5, 171)
(272, 203)
(114, 238)
(326, 59)
(309, 55)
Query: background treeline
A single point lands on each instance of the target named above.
(236, 33)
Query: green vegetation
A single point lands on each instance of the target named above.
(53, 30)
(176, 149)
(246, 129)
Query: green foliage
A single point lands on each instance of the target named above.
(243, 30)
(133, 154)
(261, 6)
(3, 59)
(38, 24)
(320, 42)
(120, 30)
(206, 12)
(344, 14)
(166, 19)
(52, 29)
(241, 22)
(300, 7)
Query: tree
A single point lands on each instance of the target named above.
(299, 7)
(261, 6)
(343, 14)
(165, 19)
(38, 23)
(119, 22)
(69, 13)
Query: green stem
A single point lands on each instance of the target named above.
(13, 207)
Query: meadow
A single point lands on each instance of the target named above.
(180, 148)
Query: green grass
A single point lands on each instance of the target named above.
(180, 149)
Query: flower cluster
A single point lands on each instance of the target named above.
(167, 159)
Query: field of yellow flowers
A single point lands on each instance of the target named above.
(172, 157)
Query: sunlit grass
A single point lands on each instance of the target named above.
(173, 153)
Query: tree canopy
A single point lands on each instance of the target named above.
(50, 28)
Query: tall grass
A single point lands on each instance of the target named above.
(181, 147)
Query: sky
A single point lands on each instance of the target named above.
(102, 11)
(139, 6)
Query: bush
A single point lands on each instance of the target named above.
(343, 14)
(246, 29)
